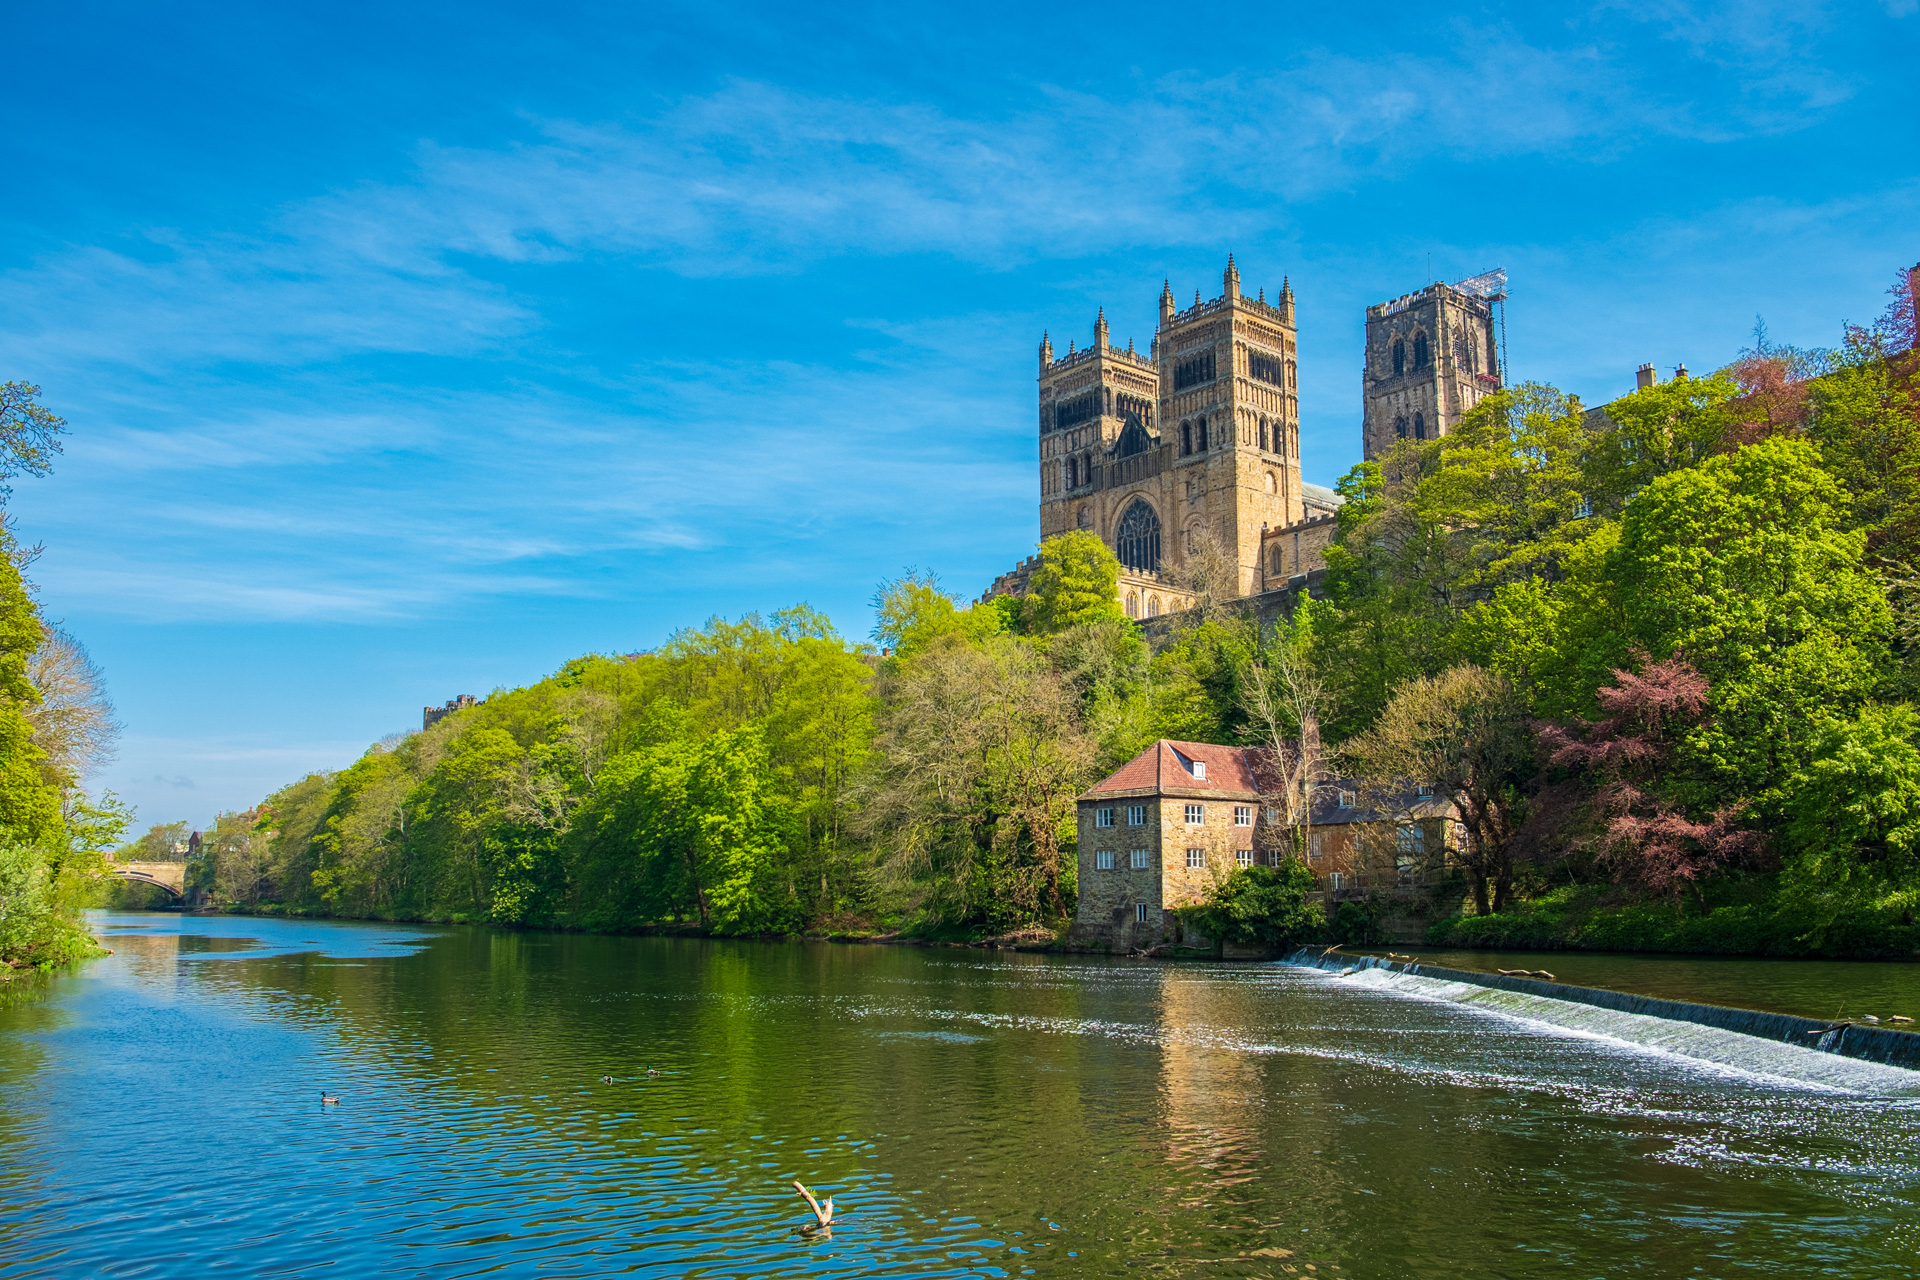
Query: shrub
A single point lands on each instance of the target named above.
(1260, 906)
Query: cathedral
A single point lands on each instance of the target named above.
(1192, 449)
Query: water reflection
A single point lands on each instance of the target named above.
(971, 1115)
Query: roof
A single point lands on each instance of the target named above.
(1318, 495)
(1372, 806)
(1167, 765)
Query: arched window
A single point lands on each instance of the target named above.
(1086, 518)
(1399, 357)
(1153, 606)
(1263, 436)
(1137, 542)
(1273, 560)
(1186, 438)
(1133, 604)
(1419, 350)
(1273, 486)
(1400, 426)
(1073, 473)
(1419, 426)
(1202, 422)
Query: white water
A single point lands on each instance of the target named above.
(1728, 1051)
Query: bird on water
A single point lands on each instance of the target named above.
(328, 1099)
(606, 1079)
(652, 1072)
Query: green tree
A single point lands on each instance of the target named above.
(1261, 906)
(1076, 582)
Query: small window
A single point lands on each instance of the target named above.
(1201, 444)
(1426, 788)
(1200, 770)
(1103, 860)
(1316, 848)
(1139, 859)
(1243, 815)
(1136, 815)
(1103, 817)
(1140, 912)
(1338, 881)
(1346, 799)
(1196, 858)
(1196, 814)
(1411, 839)
(1273, 816)
(1419, 426)
(1244, 857)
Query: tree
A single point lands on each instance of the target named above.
(1261, 906)
(29, 797)
(1284, 699)
(1625, 764)
(1854, 816)
(29, 434)
(970, 801)
(1077, 582)
(71, 717)
(1467, 735)
(911, 613)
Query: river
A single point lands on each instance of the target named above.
(973, 1114)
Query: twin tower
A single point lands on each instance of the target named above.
(1190, 453)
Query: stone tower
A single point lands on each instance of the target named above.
(1199, 437)
(1431, 356)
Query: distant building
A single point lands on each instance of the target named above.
(1431, 357)
(429, 716)
(1164, 828)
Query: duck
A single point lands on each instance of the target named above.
(606, 1079)
(328, 1099)
(652, 1072)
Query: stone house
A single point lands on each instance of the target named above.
(1363, 841)
(1161, 831)
(1180, 817)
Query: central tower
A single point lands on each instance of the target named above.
(1198, 440)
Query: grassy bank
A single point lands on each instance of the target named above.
(1750, 918)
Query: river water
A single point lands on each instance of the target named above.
(973, 1114)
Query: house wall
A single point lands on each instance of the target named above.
(1107, 898)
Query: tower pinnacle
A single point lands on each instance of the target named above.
(1231, 281)
(1100, 330)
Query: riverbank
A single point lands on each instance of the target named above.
(1757, 918)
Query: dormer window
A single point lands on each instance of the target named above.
(1346, 799)
(1199, 769)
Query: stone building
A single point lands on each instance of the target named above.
(1431, 357)
(1159, 832)
(429, 716)
(1197, 439)
(1361, 842)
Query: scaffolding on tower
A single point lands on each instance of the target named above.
(1491, 286)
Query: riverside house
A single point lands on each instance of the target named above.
(1180, 817)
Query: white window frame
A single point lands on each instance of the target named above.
(1346, 799)
(1103, 860)
(1140, 912)
(1200, 770)
(1136, 815)
(1243, 815)
(1139, 859)
(1103, 817)
(1196, 859)
(1196, 814)
(1243, 856)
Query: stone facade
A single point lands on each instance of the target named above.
(429, 716)
(1431, 357)
(1197, 438)
(1159, 833)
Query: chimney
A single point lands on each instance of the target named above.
(1645, 377)
(1679, 373)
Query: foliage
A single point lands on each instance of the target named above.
(29, 433)
(1075, 583)
(1466, 735)
(1260, 906)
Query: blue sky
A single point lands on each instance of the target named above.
(410, 351)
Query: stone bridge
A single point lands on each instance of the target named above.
(171, 876)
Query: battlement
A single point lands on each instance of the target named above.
(430, 716)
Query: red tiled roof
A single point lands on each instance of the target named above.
(1163, 767)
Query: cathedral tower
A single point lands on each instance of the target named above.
(1158, 453)
(1431, 357)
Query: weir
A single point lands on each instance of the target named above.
(1882, 1045)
